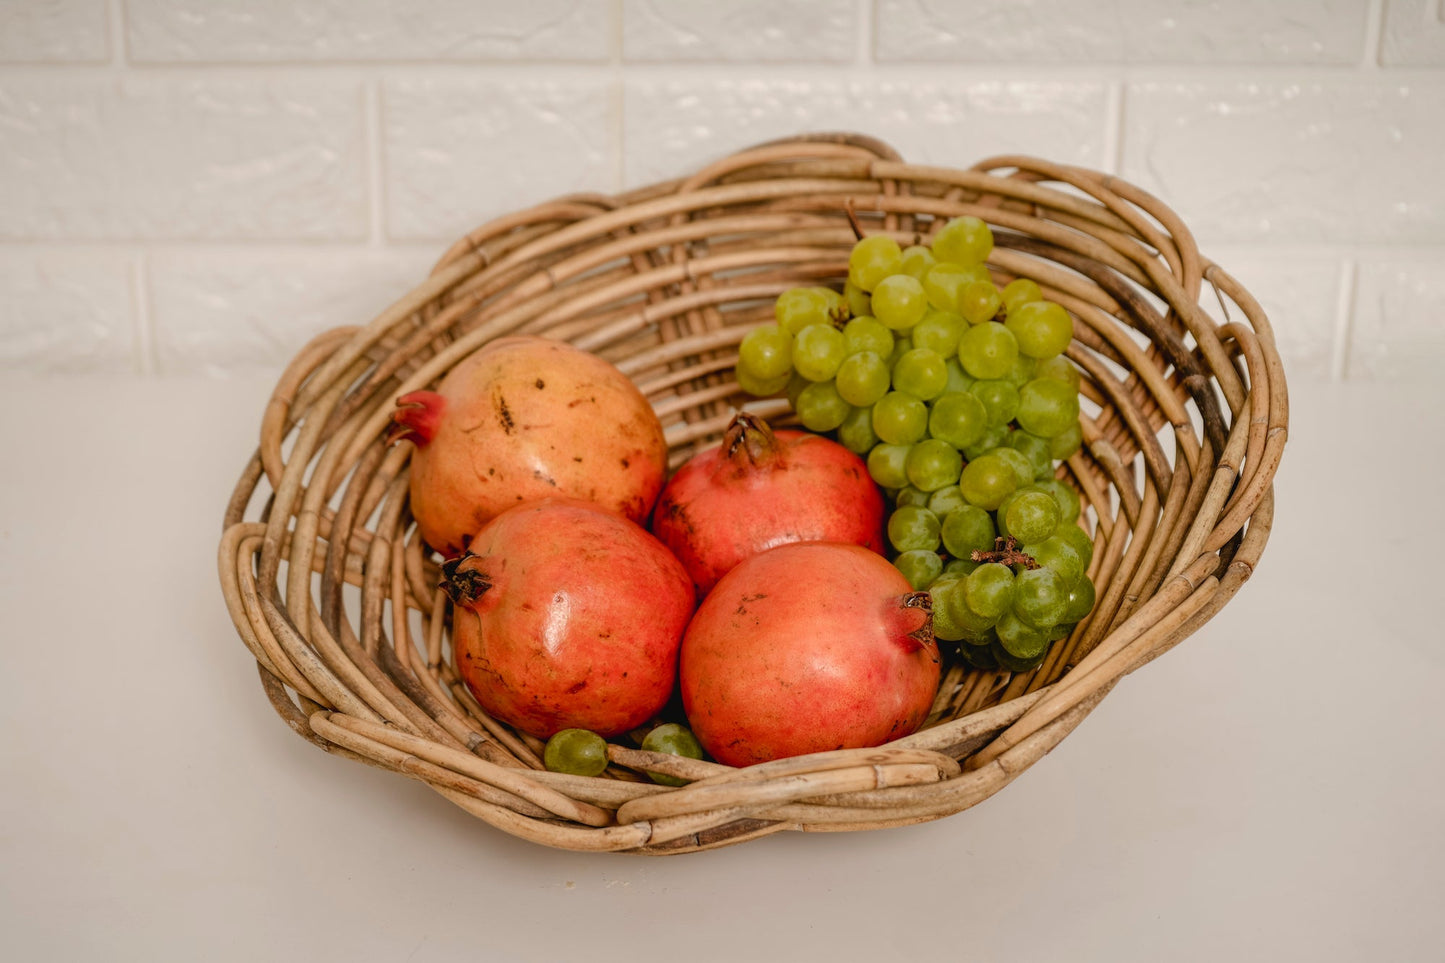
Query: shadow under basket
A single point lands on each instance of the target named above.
(336, 596)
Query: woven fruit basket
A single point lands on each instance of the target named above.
(337, 597)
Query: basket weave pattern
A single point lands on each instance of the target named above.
(332, 590)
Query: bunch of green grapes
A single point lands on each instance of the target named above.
(958, 395)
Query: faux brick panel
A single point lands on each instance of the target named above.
(226, 314)
(53, 31)
(66, 313)
(320, 30)
(1122, 31)
(1300, 297)
(1414, 34)
(461, 152)
(1399, 319)
(1350, 161)
(160, 158)
(671, 128)
(774, 30)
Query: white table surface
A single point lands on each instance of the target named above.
(1269, 790)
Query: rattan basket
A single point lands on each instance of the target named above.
(336, 596)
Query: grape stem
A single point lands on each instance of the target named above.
(853, 218)
(1006, 551)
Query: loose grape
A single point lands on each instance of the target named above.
(863, 378)
(908, 495)
(899, 418)
(675, 740)
(946, 499)
(966, 530)
(978, 301)
(1039, 597)
(1020, 291)
(986, 480)
(939, 331)
(1000, 401)
(1058, 555)
(856, 432)
(796, 308)
(1032, 517)
(899, 301)
(858, 301)
(1068, 499)
(933, 464)
(1059, 368)
(1036, 449)
(886, 465)
(873, 259)
(865, 333)
(921, 373)
(994, 436)
(1046, 407)
(1081, 600)
(986, 351)
(919, 566)
(958, 418)
(989, 590)
(914, 527)
(963, 240)
(917, 259)
(943, 282)
(1063, 445)
(579, 752)
(1043, 328)
(767, 352)
(818, 350)
(958, 379)
(821, 408)
(1079, 540)
(1018, 461)
(760, 387)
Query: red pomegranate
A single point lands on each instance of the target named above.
(760, 489)
(524, 418)
(805, 648)
(567, 615)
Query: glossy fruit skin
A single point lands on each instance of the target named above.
(760, 489)
(568, 616)
(806, 648)
(526, 418)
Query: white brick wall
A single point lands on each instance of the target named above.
(198, 186)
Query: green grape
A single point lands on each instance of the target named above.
(958, 379)
(899, 418)
(946, 499)
(860, 304)
(901, 346)
(899, 301)
(967, 530)
(1043, 328)
(886, 465)
(943, 282)
(873, 259)
(856, 432)
(1020, 291)
(917, 259)
(1039, 597)
(994, 436)
(796, 308)
(986, 351)
(1036, 449)
(1046, 407)
(862, 378)
(579, 752)
(1080, 601)
(952, 619)
(1023, 468)
(933, 464)
(978, 301)
(963, 240)
(795, 387)
(989, 590)
(818, 351)
(1060, 631)
(767, 352)
(987, 480)
(1079, 540)
(759, 387)
(1000, 401)
(1058, 368)
(1058, 555)
(1000, 514)
(914, 527)
(1019, 647)
(921, 373)
(865, 333)
(980, 654)
(908, 495)
(1063, 445)
(675, 740)
(1031, 517)
(1022, 372)
(939, 331)
(837, 304)
(956, 568)
(959, 418)
(1068, 499)
(821, 408)
(919, 566)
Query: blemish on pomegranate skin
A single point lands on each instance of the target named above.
(577, 687)
(540, 384)
(504, 415)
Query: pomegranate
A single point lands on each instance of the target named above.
(567, 615)
(524, 418)
(760, 489)
(804, 648)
